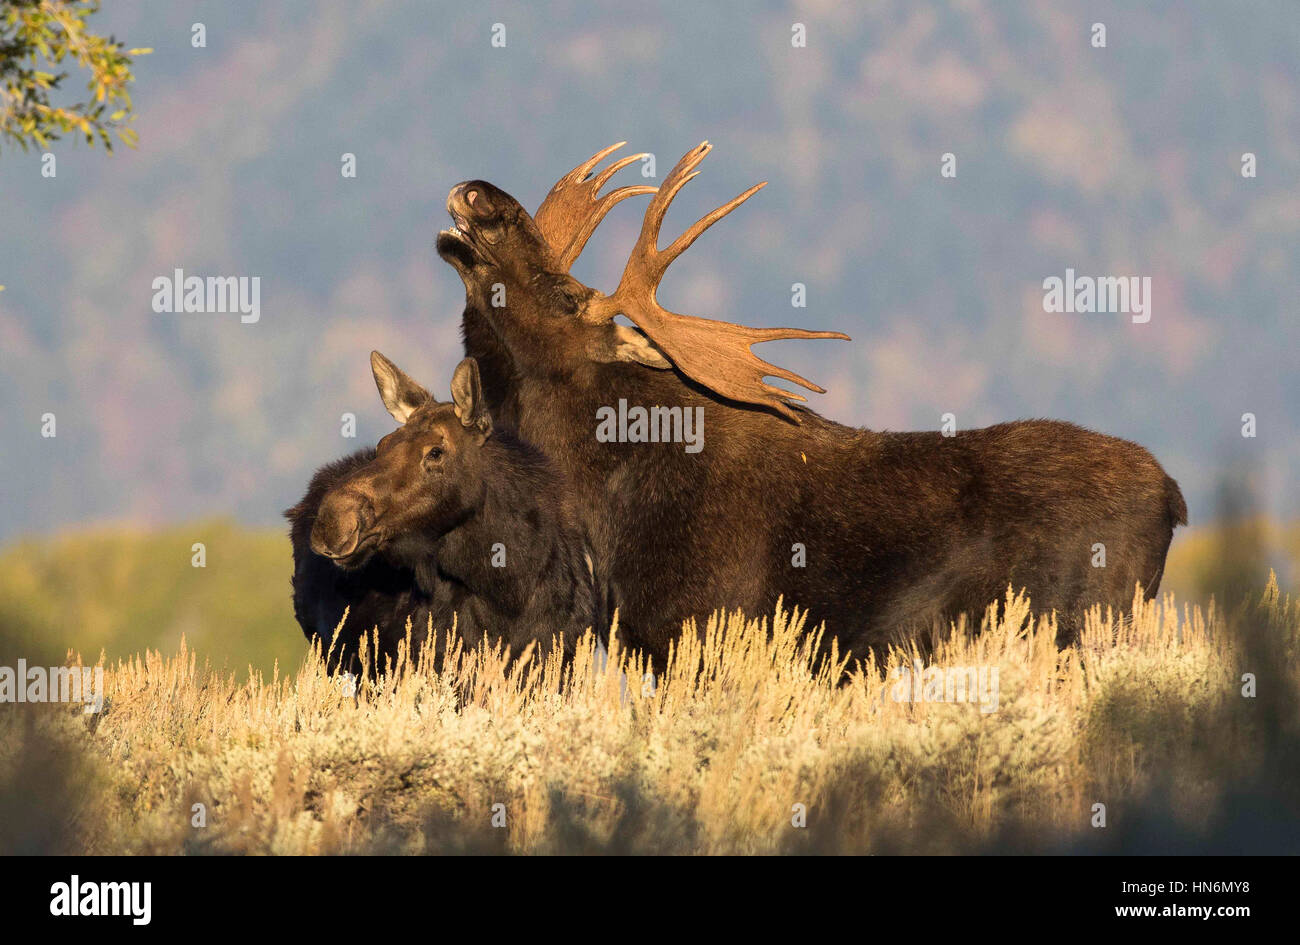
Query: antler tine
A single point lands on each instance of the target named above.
(714, 353)
(650, 259)
(572, 211)
(683, 242)
(583, 170)
(658, 260)
(717, 354)
(614, 168)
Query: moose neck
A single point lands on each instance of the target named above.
(496, 366)
(558, 410)
(500, 550)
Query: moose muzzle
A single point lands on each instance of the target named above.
(340, 523)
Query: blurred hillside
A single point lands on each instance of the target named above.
(1122, 161)
(122, 591)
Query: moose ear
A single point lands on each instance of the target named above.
(629, 344)
(401, 395)
(467, 396)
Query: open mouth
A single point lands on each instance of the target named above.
(459, 243)
(455, 234)
(454, 243)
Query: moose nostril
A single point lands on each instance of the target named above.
(471, 196)
(337, 532)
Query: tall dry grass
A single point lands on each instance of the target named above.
(747, 722)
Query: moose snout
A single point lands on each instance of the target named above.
(339, 525)
(471, 200)
(461, 198)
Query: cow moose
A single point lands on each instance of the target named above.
(376, 595)
(884, 536)
(451, 514)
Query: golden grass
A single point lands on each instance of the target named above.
(747, 722)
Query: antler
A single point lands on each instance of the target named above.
(715, 353)
(572, 211)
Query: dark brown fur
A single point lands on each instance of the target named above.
(398, 532)
(901, 530)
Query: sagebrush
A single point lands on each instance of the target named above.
(754, 739)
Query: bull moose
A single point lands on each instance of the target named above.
(450, 515)
(882, 535)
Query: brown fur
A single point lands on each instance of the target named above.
(901, 529)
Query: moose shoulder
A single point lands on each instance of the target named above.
(879, 534)
(449, 517)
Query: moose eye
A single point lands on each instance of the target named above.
(432, 456)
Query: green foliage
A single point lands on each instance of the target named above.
(37, 33)
(123, 591)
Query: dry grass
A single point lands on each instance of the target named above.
(747, 722)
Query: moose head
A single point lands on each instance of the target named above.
(426, 477)
(553, 323)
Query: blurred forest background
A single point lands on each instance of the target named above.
(175, 429)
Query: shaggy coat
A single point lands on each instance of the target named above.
(883, 536)
(478, 527)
